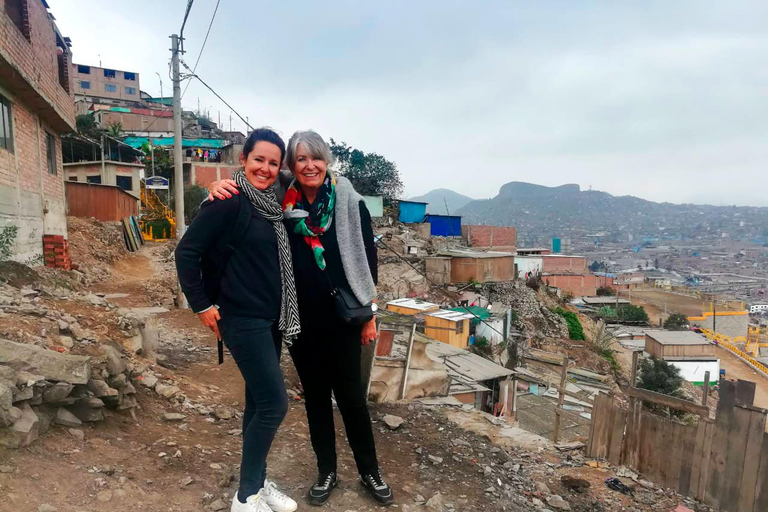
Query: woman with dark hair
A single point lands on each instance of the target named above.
(334, 253)
(236, 270)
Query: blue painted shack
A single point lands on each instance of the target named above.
(445, 225)
(412, 212)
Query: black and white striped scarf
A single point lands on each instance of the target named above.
(265, 202)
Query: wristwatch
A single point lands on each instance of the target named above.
(374, 307)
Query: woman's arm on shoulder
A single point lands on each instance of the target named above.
(368, 240)
(198, 240)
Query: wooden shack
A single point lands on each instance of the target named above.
(677, 345)
(469, 266)
(411, 306)
(451, 327)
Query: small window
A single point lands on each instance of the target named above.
(6, 133)
(83, 70)
(110, 88)
(73, 177)
(130, 90)
(50, 152)
(109, 73)
(130, 76)
(94, 179)
(125, 183)
(84, 84)
(18, 12)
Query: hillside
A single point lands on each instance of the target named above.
(438, 199)
(541, 212)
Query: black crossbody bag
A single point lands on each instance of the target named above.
(349, 309)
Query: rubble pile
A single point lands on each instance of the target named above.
(95, 245)
(535, 320)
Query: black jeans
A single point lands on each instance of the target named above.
(255, 346)
(328, 360)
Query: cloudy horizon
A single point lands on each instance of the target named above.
(663, 101)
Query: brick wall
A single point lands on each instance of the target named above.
(574, 265)
(31, 198)
(577, 285)
(36, 60)
(485, 237)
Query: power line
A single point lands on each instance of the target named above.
(192, 74)
(202, 47)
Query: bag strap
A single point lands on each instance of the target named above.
(232, 241)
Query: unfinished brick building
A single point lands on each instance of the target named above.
(36, 106)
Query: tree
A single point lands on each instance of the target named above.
(114, 130)
(676, 322)
(606, 291)
(630, 313)
(194, 195)
(87, 125)
(370, 173)
(659, 376)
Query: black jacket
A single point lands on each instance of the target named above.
(250, 283)
(316, 306)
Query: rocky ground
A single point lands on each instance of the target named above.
(177, 447)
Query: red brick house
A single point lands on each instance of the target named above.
(36, 106)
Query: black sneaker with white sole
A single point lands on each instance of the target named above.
(377, 488)
(321, 491)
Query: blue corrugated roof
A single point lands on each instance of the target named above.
(137, 142)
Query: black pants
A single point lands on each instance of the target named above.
(328, 360)
(255, 345)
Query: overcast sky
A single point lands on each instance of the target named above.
(664, 100)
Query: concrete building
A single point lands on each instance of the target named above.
(36, 106)
(730, 323)
(93, 84)
(117, 164)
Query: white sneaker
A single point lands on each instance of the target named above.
(254, 503)
(277, 501)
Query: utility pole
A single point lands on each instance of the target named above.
(178, 164)
(714, 314)
(230, 121)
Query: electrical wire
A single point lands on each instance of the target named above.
(192, 74)
(194, 68)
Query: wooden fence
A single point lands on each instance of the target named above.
(723, 463)
(102, 202)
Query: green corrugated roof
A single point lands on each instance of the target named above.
(137, 142)
(475, 310)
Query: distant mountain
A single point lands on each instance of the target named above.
(438, 199)
(541, 212)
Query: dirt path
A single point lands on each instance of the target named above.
(150, 465)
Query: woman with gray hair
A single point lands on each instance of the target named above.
(335, 266)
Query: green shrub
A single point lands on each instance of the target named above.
(676, 322)
(630, 313)
(606, 291)
(7, 241)
(575, 331)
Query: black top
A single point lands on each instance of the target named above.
(251, 284)
(316, 306)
